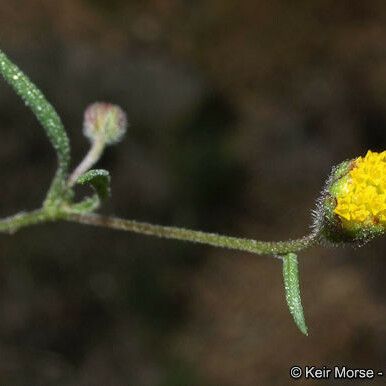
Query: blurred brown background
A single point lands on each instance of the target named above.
(238, 110)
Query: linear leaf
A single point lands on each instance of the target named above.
(47, 117)
(292, 290)
(99, 179)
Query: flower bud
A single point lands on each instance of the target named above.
(104, 121)
(353, 205)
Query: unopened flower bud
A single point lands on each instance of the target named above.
(353, 205)
(104, 121)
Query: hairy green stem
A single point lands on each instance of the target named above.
(242, 244)
(12, 224)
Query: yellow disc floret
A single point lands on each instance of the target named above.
(361, 198)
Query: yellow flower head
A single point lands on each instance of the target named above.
(361, 193)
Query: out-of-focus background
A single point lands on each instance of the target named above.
(238, 110)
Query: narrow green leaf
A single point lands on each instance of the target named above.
(87, 205)
(99, 179)
(292, 290)
(47, 117)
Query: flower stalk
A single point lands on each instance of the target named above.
(93, 155)
(275, 248)
(183, 234)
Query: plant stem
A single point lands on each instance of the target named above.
(242, 244)
(89, 160)
(12, 224)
